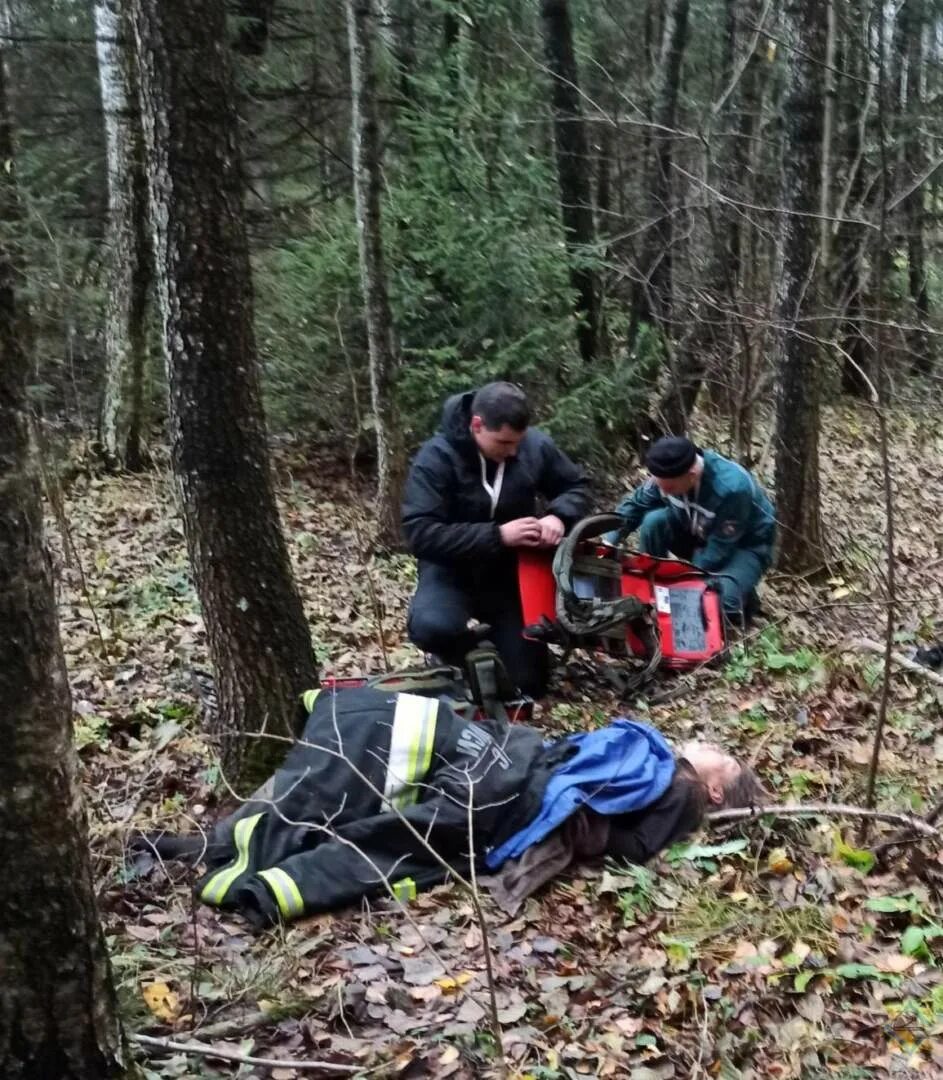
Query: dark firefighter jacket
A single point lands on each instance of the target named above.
(446, 513)
(324, 834)
(321, 833)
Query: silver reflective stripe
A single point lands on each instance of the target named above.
(414, 724)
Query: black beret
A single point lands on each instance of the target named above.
(671, 456)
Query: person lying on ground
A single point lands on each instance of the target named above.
(700, 506)
(389, 793)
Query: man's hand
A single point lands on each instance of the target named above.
(521, 532)
(551, 530)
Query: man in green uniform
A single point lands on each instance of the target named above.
(705, 508)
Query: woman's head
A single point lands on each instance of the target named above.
(726, 782)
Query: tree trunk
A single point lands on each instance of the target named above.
(257, 633)
(58, 1018)
(848, 265)
(653, 292)
(573, 169)
(744, 170)
(912, 23)
(707, 343)
(798, 390)
(367, 164)
(121, 422)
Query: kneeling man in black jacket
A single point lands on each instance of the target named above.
(472, 498)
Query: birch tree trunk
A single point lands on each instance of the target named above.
(120, 421)
(368, 180)
(848, 266)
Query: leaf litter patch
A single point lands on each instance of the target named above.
(776, 949)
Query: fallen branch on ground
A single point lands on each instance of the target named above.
(235, 1025)
(905, 836)
(830, 809)
(870, 645)
(204, 1050)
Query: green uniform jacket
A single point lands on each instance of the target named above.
(729, 512)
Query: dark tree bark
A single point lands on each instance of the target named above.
(797, 364)
(258, 637)
(368, 180)
(707, 342)
(919, 342)
(450, 30)
(253, 33)
(121, 421)
(573, 169)
(653, 292)
(741, 238)
(58, 1018)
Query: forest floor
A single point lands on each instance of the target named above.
(775, 949)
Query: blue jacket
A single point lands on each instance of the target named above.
(729, 512)
(623, 767)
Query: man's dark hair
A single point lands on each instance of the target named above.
(500, 403)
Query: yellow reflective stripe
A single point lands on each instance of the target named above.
(420, 754)
(216, 888)
(406, 713)
(286, 892)
(425, 754)
(414, 748)
(404, 890)
(308, 698)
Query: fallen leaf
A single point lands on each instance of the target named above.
(512, 1013)
(162, 1001)
(895, 962)
(652, 984)
(778, 862)
(422, 970)
(811, 1007)
(801, 950)
(143, 933)
(470, 1012)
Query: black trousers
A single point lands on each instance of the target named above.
(442, 606)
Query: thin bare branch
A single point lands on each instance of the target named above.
(751, 813)
(204, 1050)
